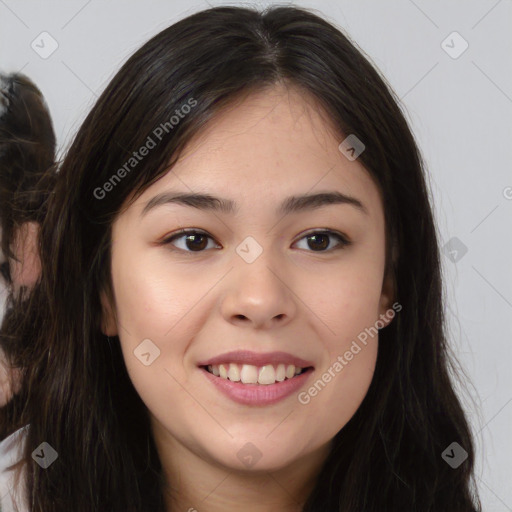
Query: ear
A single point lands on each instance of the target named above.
(387, 298)
(108, 317)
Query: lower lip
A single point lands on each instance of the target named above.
(258, 394)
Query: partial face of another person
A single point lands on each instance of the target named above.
(5, 392)
(24, 271)
(4, 285)
(26, 268)
(259, 278)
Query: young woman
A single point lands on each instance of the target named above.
(240, 305)
(27, 154)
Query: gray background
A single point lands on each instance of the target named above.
(459, 109)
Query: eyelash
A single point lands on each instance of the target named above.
(344, 242)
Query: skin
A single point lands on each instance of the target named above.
(5, 384)
(311, 300)
(26, 269)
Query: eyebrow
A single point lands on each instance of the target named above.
(292, 204)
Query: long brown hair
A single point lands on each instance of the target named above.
(27, 163)
(27, 154)
(76, 393)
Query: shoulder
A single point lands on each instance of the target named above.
(11, 451)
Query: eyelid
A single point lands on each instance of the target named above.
(342, 238)
(333, 232)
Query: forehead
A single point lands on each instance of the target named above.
(271, 144)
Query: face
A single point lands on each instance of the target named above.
(257, 279)
(26, 268)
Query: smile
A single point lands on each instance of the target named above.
(257, 394)
(250, 374)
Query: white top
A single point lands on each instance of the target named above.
(11, 452)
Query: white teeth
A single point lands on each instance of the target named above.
(267, 375)
(234, 373)
(249, 374)
(280, 373)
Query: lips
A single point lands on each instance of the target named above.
(257, 359)
(256, 394)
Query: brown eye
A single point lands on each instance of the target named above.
(319, 241)
(197, 241)
(194, 241)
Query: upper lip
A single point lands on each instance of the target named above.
(256, 359)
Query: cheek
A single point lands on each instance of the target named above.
(349, 307)
(155, 316)
(151, 300)
(350, 347)
(348, 300)
(337, 391)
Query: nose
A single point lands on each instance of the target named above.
(259, 294)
